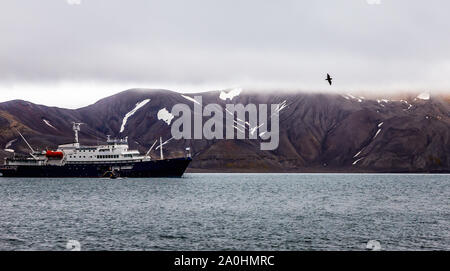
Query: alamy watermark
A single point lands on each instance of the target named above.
(73, 245)
(241, 122)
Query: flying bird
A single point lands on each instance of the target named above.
(329, 79)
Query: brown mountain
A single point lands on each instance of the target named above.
(318, 132)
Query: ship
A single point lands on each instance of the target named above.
(111, 160)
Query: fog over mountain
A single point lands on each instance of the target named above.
(318, 132)
(72, 53)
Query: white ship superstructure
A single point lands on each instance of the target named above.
(114, 151)
(112, 159)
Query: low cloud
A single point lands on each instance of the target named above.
(200, 44)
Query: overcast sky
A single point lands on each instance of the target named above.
(70, 52)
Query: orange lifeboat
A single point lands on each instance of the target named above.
(54, 154)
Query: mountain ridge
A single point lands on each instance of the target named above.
(319, 132)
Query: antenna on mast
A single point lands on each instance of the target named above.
(76, 128)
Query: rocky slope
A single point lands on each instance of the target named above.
(318, 132)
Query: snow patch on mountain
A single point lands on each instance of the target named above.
(9, 144)
(48, 123)
(253, 130)
(424, 96)
(406, 103)
(356, 162)
(379, 130)
(281, 106)
(356, 155)
(348, 96)
(190, 99)
(165, 116)
(230, 95)
(131, 113)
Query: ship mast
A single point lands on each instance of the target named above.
(76, 129)
(29, 146)
(148, 152)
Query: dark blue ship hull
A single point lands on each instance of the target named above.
(139, 169)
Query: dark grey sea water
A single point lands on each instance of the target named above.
(228, 212)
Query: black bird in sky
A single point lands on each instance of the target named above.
(329, 79)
